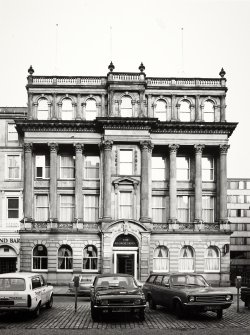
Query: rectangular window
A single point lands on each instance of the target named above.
(67, 170)
(183, 209)
(42, 166)
(42, 208)
(241, 185)
(12, 133)
(92, 165)
(183, 168)
(125, 207)
(158, 208)
(13, 166)
(13, 208)
(248, 185)
(207, 169)
(208, 209)
(91, 208)
(67, 206)
(126, 162)
(158, 168)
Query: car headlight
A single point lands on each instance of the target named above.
(191, 298)
(104, 302)
(137, 301)
(228, 297)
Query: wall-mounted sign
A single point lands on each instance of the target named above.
(126, 241)
(9, 240)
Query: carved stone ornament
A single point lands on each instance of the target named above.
(160, 226)
(146, 145)
(79, 147)
(27, 147)
(53, 147)
(107, 144)
(199, 148)
(224, 148)
(173, 148)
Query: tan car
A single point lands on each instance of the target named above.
(24, 291)
(185, 292)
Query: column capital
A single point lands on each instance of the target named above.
(224, 148)
(53, 147)
(27, 147)
(173, 148)
(79, 147)
(106, 144)
(199, 148)
(146, 145)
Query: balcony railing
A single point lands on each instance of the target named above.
(9, 225)
(125, 77)
(190, 226)
(60, 226)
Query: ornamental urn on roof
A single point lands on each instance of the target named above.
(222, 72)
(111, 67)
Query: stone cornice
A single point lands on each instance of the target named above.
(151, 124)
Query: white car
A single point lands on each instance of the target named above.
(24, 291)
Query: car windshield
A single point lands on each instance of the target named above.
(12, 284)
(189, 280)
(115, 282)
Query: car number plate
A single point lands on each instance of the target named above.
(120, 309)
(211, 308)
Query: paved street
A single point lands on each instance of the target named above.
(63, 316)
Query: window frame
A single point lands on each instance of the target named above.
(91, 111)
(44, 167)
(121, 109)
(40, 259)
(95, 209)
(167, 258)
(8, 197)
(218, 258)
(161, 169)
(67, 111)
(18, 167)
(163, 209)
(86, 168)
(181, 113)
(9, 124)
(70, 258)
(181, 258)
(206, 113)
(67, 167)
(131, 163)
(42, 110)
(160, 112)
(211, 169)
(183, 169)
(91, 259)
(187, 209)
(125, 206)
(208, 209)
(36, 206)
(73, 206)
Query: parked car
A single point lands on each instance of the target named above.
(184, 292)
(245, 296)
(116, 293)
(22, 291)
(85, 284)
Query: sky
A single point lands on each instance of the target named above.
(179, 38)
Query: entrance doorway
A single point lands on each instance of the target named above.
(125, 264)
(8, 264)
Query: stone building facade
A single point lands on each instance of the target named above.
(238, 198)
(125, 173)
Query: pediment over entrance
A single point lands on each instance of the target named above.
(126, 227)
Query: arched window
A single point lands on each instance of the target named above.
(161, 110)
(186, 259)
(185, 112)
(161, 259)
(67, 109)
(89, 258)
(208, 112)
(212, 259)
(40, 258)
(91, 110)
(126, 107)
(65, 259)
(42, 109)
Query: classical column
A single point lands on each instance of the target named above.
(146, 149)
(173, 109)
(53, 181)
(107, 166)
(35, 109)
(150, 112)
(28, 177)
(172, 184)
(78, 180)
(103, 111)
(54, 116)
(198, 182)
(78, 107)
(141, 113)
(223, 182)
(223, 108)
(197, 109)
(111, 94)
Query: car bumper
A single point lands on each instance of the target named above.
(119, 308)
(207, 307)
(16, 309)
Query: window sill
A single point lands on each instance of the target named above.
(89, 271)
(36, 270)
(60, 270)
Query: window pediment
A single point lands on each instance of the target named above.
(125, 181)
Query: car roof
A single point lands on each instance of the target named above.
(175, 273)
(18, 274)
(113, 275)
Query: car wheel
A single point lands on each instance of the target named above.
(49, 304)
(179, 310)
(36, 312)
(219, 314)
(151, 303)
(142, 315)
(94, 314)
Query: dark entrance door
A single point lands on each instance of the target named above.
(7, 264)
(125, 264)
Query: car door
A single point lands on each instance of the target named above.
(37, 288)
(157, 291)
(44, 290)
(164, 291)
